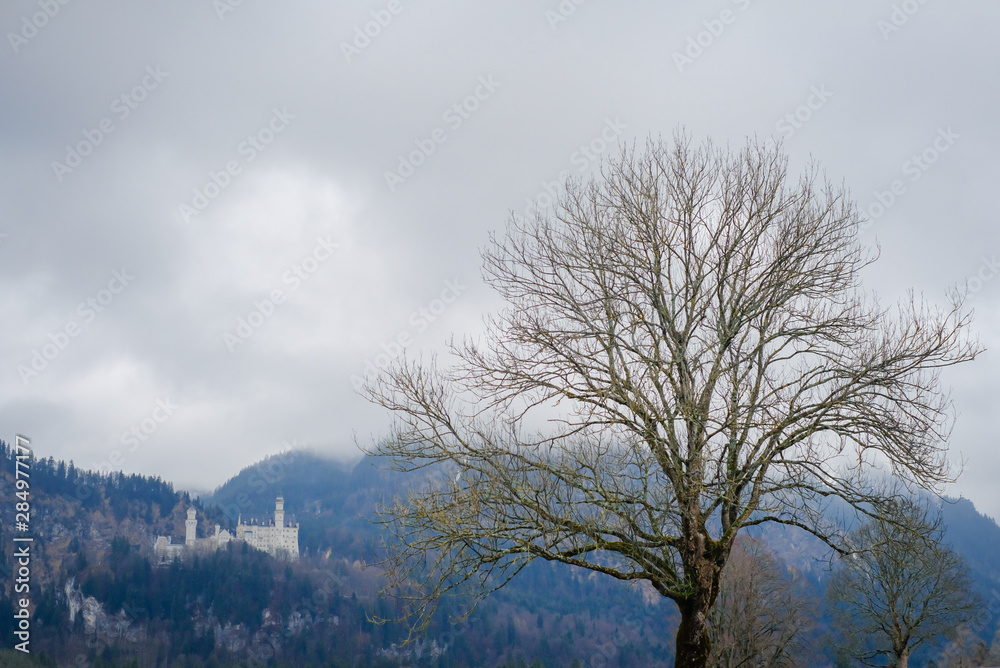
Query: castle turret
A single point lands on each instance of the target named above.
(279, 512)
(191, 527)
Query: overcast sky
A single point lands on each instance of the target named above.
(326, 173)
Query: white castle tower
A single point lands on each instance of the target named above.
(191, 527)
(279, 512)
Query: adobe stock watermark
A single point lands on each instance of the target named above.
(262, 476)
(316, 605)
(562, 12)
(223, 7)
(899, 17)
(121, 108)
(88, 311)
(793, 121)
(105, 633)
(30, 25)
(294, 277)
(370, 30)
(419, 321)
(21, 505)
(455, 116)
(247, 150)
(607, 651)
(988, 269)
(582, 158)
(915, 167)
(701, 41)
(994, 604)
(136, 434)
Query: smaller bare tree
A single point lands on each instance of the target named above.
(761, 618)
(993, 654)
(901, 588)
(966, 650)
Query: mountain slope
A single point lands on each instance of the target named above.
(97, 596)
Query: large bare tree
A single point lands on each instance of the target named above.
(686, 352)
(900, 588)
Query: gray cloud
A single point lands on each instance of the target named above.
(560, 78)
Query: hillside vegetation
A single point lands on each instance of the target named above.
(98, 598)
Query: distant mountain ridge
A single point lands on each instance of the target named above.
(95, 533)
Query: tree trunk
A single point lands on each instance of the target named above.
(703, 570)
(693, 644)
(903, 659)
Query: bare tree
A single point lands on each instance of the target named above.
(692, 328)
(992, 657)
(762, 618)
(966, 650)
(900, 589)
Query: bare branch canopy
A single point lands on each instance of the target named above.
(687, 351)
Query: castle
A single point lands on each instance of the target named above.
(276, 539)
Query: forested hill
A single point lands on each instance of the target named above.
(100, 599)
(977, 538)
(74, 513)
